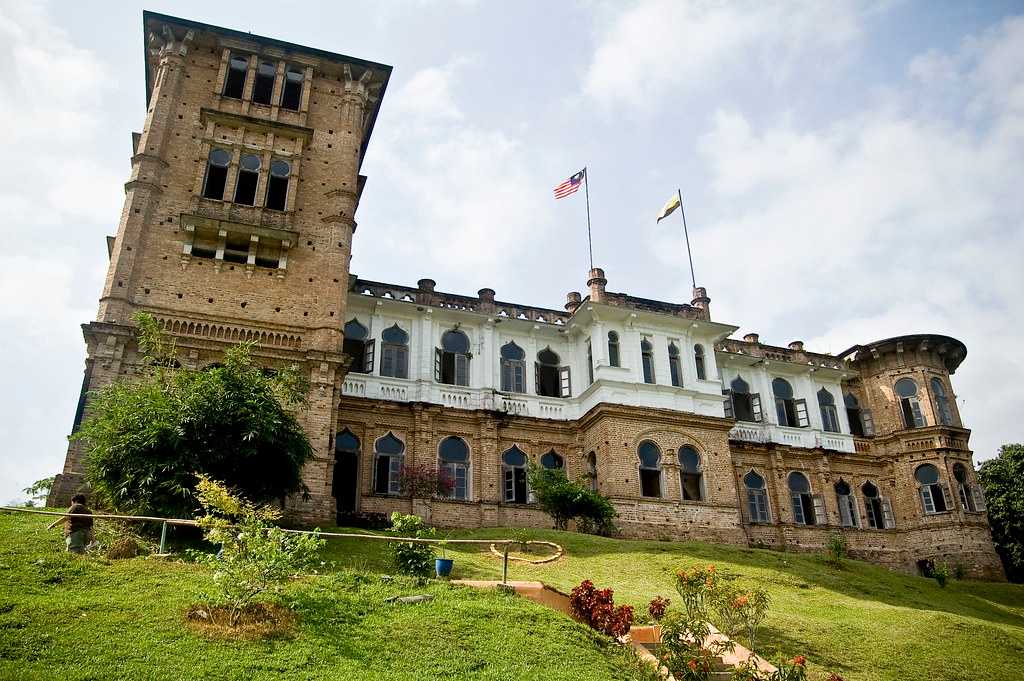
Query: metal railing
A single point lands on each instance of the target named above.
(508, 543)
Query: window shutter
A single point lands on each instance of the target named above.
(888, 519)
(402, 362)
(461, 369)
(519, 377)
(926, 499)
(387, 360)
(915, 407)
(845, 518)
(565, 381)
(802, 420)
(510, 487)
(536, 377)
(437, 364)
(820, 514)
(755, 406)
(727, 404)
(798, 509)
(947, 496)
(962, 489)
(979, 497)
(368, 352)
(867, 422)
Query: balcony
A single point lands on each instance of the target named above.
(804, 438)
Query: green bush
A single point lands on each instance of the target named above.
(565, 499)
(411, 558)
(837, 548)
(147, 435)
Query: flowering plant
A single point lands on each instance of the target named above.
(657, 607)
(596, 607)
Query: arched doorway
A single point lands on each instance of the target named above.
(344, 485)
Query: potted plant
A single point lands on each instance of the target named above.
(443, 565)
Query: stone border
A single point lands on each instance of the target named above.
(559, 552)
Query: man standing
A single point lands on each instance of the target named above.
(77, 529)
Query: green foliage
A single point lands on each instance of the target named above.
(739, 611)
(564, 499)
(836, 549)
(1002, 480)
(411, 558)
(146, 436)
(940, 573)
(255, 555)
(688, 652)
(39, 490)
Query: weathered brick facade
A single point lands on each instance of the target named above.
(611, 373)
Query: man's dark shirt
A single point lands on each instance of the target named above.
(75, 524)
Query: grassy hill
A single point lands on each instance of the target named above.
(72, 618)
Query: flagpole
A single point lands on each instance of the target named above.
(686, 233)
(590, 243)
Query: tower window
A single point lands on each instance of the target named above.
(277, 185)
(263, 86)
(234, 82)
(829, 415)
(877, 508)
(394, 353)
(933, 492)
(248, 178)
(847, 504)
(613, 349)
(590, 361)
(861, 422)
(549, 374)
(910, 407)
(647, 357)
(698, 358)
(291, 94)
(513, 368)
(942, 411)
(803, 501)
(216, 174)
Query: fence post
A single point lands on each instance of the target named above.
(504, 567)
(163, 538)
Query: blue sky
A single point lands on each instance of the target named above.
(850, 170)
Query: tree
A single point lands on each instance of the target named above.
(1002, 479)
(564, 499)
(38, 490)
(149, 435)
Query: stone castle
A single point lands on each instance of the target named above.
(238, 224)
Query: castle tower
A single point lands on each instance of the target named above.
(903, 397)
(238, 216)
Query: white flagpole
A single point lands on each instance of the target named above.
(686, 233)
(590, 242)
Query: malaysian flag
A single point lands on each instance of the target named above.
(570, 186)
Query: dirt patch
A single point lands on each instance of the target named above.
(257, 620)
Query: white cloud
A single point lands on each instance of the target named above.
(887, 222)
(656, 46)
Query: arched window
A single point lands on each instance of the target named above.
(513, 473)
(234, 81)
(650, 469)
(789, 411)
(829, 415)
(359, 347)
(757, 498)
(932, 491)
(394, 353)
(698, 358)
(513, 368)
(451, 360)
(804, 502)
(546, 371)
(291, 93)
(263, 87)
(942, 409)
(910, 407)
(647, 358)
(675, 367)
(389, 455)
(453, 463)
(848, 516)
(878, 510)
(691, 474)
(553, 461)
(965, 492)
(277, 185)
(248, 177)
(613, 349)
(346, 471)
(740, 403)
(591, 462)
(216, 174)
(861, 422)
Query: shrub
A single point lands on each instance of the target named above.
(596, 607)
(657, 607)
(422, 482)
(959, 572)
(564, 499)
(146, 435)
(837, 548)
(256, 556)
(941, 574)
(740, 611)
(411, 558)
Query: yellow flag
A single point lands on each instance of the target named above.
(670, 206)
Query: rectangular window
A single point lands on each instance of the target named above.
(513, 376)
(457, 474)
(650, 482)
(830, 418)
(888, 518)
(395, 475)
(394, 361)
(291, 93)
(263, 86)
(757, 505)
(648, 362)
(245, 187)
(216, 179)
(234, 81)
(819, 515)
(798, 509)
(927, 500)
(387, 478)
(675, 372)
(461, 369)
(727, 403)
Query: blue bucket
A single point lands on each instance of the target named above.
(443, 566)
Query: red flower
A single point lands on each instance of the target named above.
(800, 660)
(692, 664)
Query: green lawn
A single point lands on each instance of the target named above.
(863, 621)
(73, 618)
